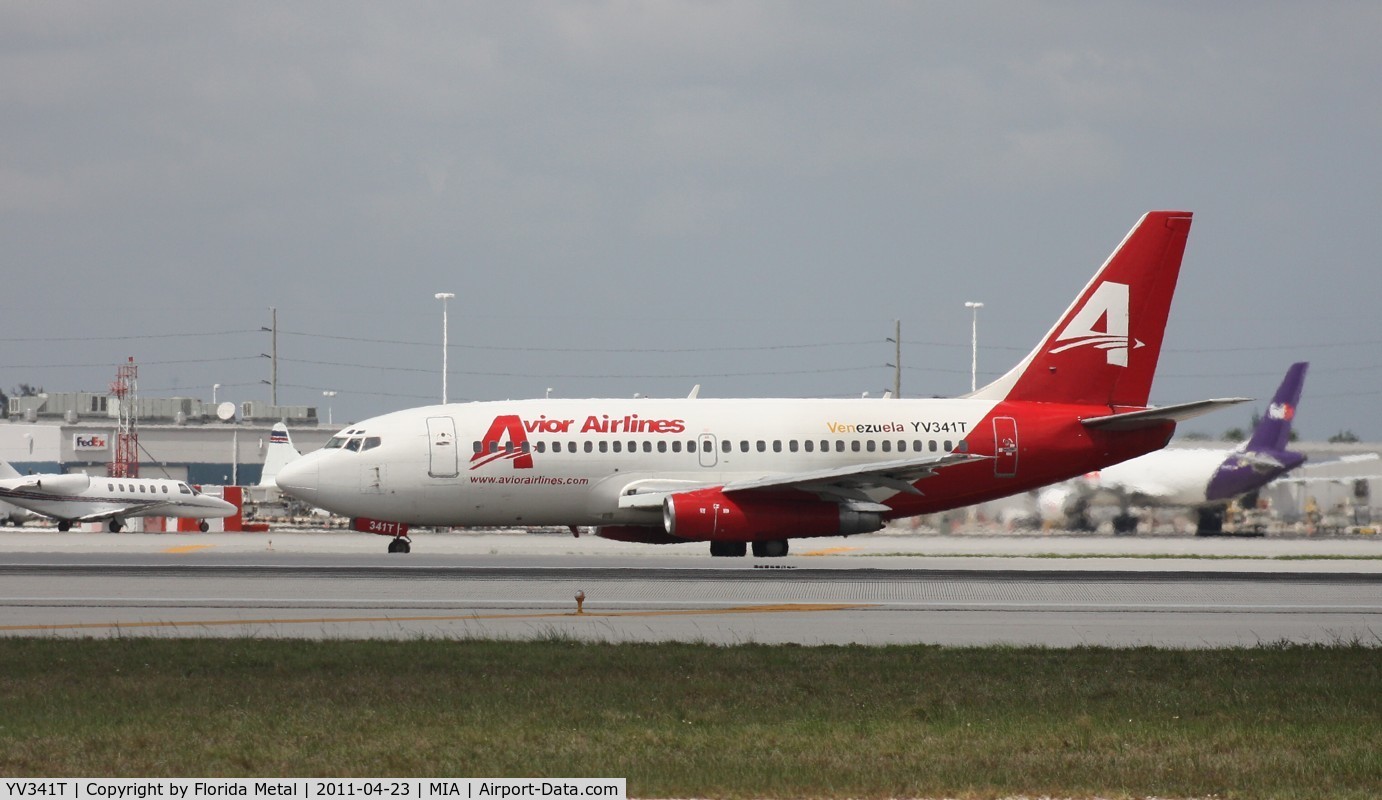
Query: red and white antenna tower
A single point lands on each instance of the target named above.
(126, 392)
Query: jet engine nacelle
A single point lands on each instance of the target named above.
(712, 515)
(72, 483)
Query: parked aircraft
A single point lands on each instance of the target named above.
(736, 472)
(1203, 479)
(278, 454)
(77, 497)
(11, 514)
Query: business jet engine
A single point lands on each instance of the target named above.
(712, 515)
(72, 483)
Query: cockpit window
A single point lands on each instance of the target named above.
(185, 489)
(335, 442)
(353, 444)
(371, 442)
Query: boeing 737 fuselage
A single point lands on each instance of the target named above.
(741, 472)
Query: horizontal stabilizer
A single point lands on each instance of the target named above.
(1150, 417)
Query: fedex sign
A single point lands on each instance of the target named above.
(89, 441)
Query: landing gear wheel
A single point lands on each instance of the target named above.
(1124, 524)
(728, 549)
(772, 548)
(400, 545)
(115, 526)
(203, 527)
(64, 526)
(1210, 521)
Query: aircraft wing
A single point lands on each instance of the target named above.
(123, 510)
(1302, 474)
(898, 474)
(1148, 417)
(841, 483)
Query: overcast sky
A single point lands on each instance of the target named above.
(639, 197)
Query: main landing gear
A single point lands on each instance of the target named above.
(400, 544)
(771, 548)
(1209, 521)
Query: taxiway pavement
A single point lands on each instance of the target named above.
(1054, 590)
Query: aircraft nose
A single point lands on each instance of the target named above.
(299, 479)
(220, 508)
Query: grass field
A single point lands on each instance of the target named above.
(685, 720)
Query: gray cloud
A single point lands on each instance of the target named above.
(655, 177)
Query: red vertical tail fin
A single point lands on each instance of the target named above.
(1104, 349)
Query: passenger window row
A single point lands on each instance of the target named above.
(142, 488)
(727, 446)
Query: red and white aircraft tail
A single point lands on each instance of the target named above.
(1105, 347)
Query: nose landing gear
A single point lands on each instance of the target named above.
(400, 544)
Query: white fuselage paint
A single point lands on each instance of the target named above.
(1164, 477)
(103, 497)
(409, 476)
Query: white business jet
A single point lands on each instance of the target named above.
(759, 472)
(76, 497)
(11, 514)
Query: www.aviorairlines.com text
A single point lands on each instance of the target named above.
(529, 480)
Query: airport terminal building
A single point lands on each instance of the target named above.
(180, 437)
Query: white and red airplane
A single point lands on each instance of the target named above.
(77, 497)
(736, 472)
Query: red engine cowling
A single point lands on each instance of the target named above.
(712, 515)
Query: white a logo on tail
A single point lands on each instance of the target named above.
(1109, 305)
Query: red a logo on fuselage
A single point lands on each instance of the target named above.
(505, 439)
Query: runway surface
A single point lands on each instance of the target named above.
(877, 589)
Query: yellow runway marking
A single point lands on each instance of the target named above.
(831, 551)
(189, 548)
(764, 609)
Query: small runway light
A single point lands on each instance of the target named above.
(580, 601)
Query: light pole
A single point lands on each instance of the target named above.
(973, 343)
(328, 394)
(443, 297)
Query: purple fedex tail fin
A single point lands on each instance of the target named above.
(1265, 456)
(1274, 431)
